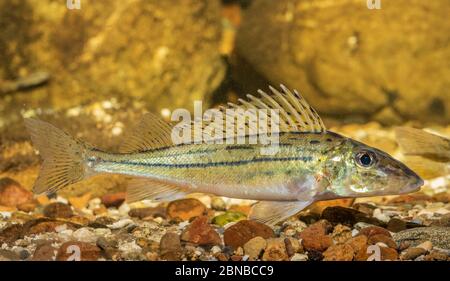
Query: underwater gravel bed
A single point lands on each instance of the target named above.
(408, 227)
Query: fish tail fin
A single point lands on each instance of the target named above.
(63, 157)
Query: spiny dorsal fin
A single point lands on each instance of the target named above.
(140, 188)
(151, 132)
(295, 114)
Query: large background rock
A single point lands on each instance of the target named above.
(108, 62)
(390, 65)
(164, 53)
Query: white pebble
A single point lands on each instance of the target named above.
(124, 209)
(130, 247)
(215, 250)
(377, 213)
(61, 228)
(120, 224)
(85, 235)
(299, 257)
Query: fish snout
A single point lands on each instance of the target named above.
(413, 185)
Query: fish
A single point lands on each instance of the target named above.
(311, 164)
(426, 153)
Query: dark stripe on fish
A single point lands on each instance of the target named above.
(216, 164)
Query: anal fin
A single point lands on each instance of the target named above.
(140, 188)
(272, 212)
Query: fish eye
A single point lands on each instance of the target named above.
(365, 159)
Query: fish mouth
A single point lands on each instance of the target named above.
(413, 186)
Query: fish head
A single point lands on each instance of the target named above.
(359, 170)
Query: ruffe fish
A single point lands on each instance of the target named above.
(311, 164)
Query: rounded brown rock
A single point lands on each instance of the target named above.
(185, 209)
(241, 232)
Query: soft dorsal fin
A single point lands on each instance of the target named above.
(151, 132)
(295, 114)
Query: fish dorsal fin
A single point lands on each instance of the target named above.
(140, 188)
(151, 132)
(295, 114)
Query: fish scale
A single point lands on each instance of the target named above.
(310, 163)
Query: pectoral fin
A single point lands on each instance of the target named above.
(272, 212)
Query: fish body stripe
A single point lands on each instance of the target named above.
(214, 164)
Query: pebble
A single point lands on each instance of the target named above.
(215, 250)
(80, 202)
(44, 252)
(373, 230)
(341, 252)
(129, 250)
(359, 246)
(27, 206)
(170, 247)
(124, 209)
(200, 232)
(75, 251)
(85, 235)
(438, 236)
(299, 257)
(254, 247)
(11, 233)
(378, 214)
(245, 209)
(341, 234)
(292, 246)
(241, 232)
(6, 255)
(114, 199)
(12, 193)
(442, 221)
(121, 223)
(388, 254)
(437, 256)
(142, 213)
(381, 238)
(45, 225)
(185, 209)
(412, 253)
(58, 210)
(275, 250)
(218, 204)
(347, 216)
(396, 225)
(315, 255)
(427, 246)
(228, 217)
